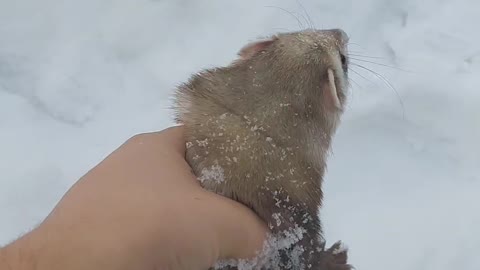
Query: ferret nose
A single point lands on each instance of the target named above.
(340, 35)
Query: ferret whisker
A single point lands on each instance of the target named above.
(387, 82)
(366, 56)
(379, 64)
(300, 24)
(356, 44)
(352, 80)
(310, 21)
(358, 73)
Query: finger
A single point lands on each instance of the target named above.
(241, 232)
(172, 138)
(175, 136)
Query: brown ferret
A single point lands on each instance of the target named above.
(259, 131)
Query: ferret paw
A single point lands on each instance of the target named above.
(336, 258)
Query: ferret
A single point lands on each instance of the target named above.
(259, 131)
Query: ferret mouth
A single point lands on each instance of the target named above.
(332, 89)
(334, 86)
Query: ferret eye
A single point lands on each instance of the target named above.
(343, 59)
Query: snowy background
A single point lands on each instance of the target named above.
(78, 78)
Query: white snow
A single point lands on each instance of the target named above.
(78, 78)
(269, 255)
(214, 173)
(278, 221)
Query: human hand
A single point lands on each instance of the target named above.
(140, 208)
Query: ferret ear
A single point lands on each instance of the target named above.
(249, 50)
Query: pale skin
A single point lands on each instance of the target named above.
(140, 208)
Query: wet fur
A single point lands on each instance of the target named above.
(259, 131)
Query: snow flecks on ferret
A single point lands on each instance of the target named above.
(276, 217)
(213, 173)
(287, 222)
(202, 143)
(274, 247)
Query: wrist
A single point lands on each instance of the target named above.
(17, 256)
(5, 260)
(42, 250)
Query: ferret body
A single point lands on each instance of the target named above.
(259, 131)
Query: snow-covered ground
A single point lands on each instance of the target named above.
(77, 78)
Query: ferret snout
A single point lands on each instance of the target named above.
(341, 39)
(340, 36)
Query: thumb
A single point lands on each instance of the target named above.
(241, 232)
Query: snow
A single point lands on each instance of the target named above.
(78, 78)
(270, 253)
(214, 173)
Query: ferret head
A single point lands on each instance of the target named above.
(300, 77)
(312, 63)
